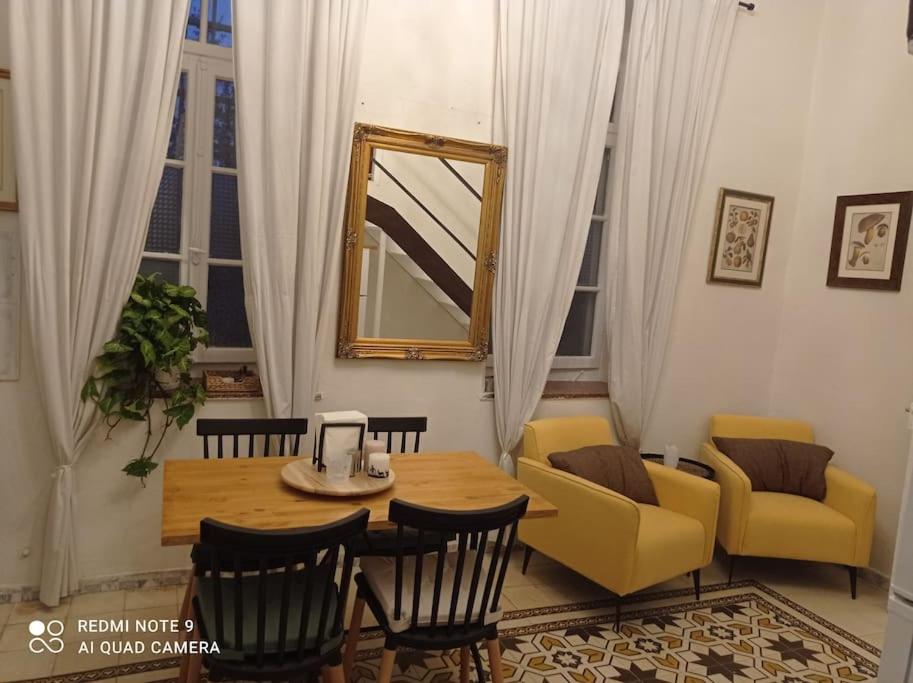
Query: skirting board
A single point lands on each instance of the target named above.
(177, 577)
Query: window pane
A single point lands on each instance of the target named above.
(165, 224)
(577, 338)
(169, 270)
(176, 141)
(223, 125)
(589, 269)
(224, 230)
(225, 307)
(193, 21)
(599, 207)
(219, 28)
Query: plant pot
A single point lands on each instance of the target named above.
(168, 379)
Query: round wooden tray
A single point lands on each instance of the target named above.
(302, 475)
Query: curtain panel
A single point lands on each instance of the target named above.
(676, 56)
(296, 71)
(94, 86)
(557, 64)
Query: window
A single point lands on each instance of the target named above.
(581, 347)
(194, 232)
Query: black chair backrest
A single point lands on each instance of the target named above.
(398, 425)
(287, 429)
(486, 573)
(296, 570)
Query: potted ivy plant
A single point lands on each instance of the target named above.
(149, 359)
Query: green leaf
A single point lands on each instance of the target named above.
(142, 301)
(140, 467)
(148, 351)
(115, 347)
(187, 291)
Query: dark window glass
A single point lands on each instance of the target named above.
(225, 308)
(223, 125)
(193, 21)
(165, 224)
(589, 269)
(178, 122)
(218, 31)
(169, 270)
(599, 207)
(224, 228)
(577, 338)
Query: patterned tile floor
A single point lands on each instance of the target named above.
(821, 589)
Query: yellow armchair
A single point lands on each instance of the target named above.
(838, 529)
(603, 535)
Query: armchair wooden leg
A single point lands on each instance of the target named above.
(527, 553)
(731, 566)
(358, 610)
(191, 665)
(494, 660)
(188, 597)
(853, 574)
(464, 664)
(696, 575)
(617, 613)
(385, 675)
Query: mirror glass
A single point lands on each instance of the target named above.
(419, 247)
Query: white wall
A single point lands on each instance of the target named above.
(721, 350)
(844, 360)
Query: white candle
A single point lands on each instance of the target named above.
(379, 465)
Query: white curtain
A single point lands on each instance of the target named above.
(296, 70)
(94, 85)
(557, 63)
(677, 52)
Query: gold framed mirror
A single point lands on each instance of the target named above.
(421, 232)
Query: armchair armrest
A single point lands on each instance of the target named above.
(735, 498)
(854, 498)
(690, 496)
(595, 532)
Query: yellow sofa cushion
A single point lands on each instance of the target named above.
(751, 427)
(552, 435)
(787, 526)
(668, 544)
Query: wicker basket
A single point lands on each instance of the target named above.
(232, 384)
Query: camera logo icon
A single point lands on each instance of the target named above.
(46, 636)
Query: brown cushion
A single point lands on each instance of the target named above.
(619, 468)
(780, 466)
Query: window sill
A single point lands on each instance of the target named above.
(557, 389)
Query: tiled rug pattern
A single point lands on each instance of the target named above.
(743, 632)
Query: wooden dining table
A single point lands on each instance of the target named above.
(249, 492)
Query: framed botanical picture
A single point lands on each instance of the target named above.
(740, 238)
(870, 240)
(7, 166)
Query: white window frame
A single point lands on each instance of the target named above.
(204, 64)
(594, 366)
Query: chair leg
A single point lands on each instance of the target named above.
(385, 675)
(477, 658)
(494, 660)
(188, 597)
(194, 662)
(464, 664)
(853, 574)
(696, 575)
(527, 553)
(617, 613)
(358, 610)
(731, 566)
(333, 674)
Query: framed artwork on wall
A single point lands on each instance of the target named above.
(870, 240)
(7, 165)
(740, 238)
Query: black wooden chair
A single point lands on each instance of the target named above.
(383, 543)
(284, 620)
(463, 606)
(285, 429)
(403, 426)
(290, 429)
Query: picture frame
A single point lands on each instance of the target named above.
(346, 436)
(8, 192)
(869, 242)
(741, 233)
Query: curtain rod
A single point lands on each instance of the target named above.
(747, 5)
